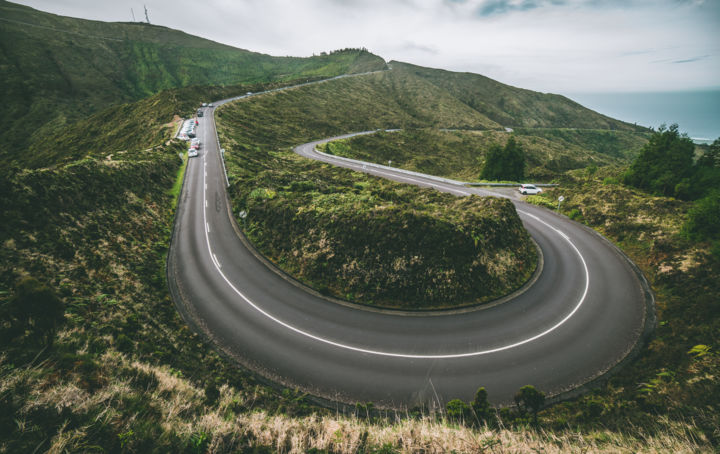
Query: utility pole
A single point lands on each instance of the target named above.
(147, 19)
(133, 14)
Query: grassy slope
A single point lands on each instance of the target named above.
(668, 380)
(461, 154)
(512, 106)
(126, 374)
(315, 221)
(130, 126)
(57, 70)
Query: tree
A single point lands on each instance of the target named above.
(481, 406)
(529, 400)
(504, 163)
(663, 164)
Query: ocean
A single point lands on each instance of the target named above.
(697, 113)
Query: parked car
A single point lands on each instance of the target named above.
(529, 189)
(192, 153)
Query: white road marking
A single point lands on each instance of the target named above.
(405, 355)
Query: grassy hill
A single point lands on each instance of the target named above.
(57, 70)
(315, 221)
(461, 154)
(511, 106)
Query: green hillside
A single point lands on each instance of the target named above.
(57, 70)
(511, 106)
(461, 154)
(315, 221)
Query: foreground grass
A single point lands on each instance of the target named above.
(145, 408)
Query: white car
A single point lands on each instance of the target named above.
(192, 153)
(529, 189)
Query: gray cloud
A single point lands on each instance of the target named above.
(497, 7)
(691, 60)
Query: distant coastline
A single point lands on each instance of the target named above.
(696, 112)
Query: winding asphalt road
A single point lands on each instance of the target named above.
(583, 315)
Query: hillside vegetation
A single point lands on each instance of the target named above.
(57, 70)
(461, 154)
(511, 106)
(676, 376)
(317, 222)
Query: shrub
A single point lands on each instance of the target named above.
(703, 222)
(529, 400)
(575, 214)
(458, 411)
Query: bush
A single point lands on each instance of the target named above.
(458, 411)
(36, 307)
(703, 222)
(529, 400)
(575, 215)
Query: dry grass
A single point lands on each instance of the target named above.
(183, 411)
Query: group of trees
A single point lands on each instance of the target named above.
(667, 166)
(504, 163)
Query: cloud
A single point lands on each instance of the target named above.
(498, 7)
(691, 60)
(416, 47)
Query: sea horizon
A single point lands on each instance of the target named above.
(696, 112)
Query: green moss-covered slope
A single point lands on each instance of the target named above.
(56, 70)
(356, 237)
(512, 106)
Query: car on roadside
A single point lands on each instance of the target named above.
(192, 153)
(529, 189)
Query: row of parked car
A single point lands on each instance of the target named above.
(194, 148)
(187, 131)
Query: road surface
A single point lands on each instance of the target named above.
(585, 313)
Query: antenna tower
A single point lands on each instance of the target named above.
(147, 19)
(133, 14)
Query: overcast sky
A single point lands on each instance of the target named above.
(560, 46)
